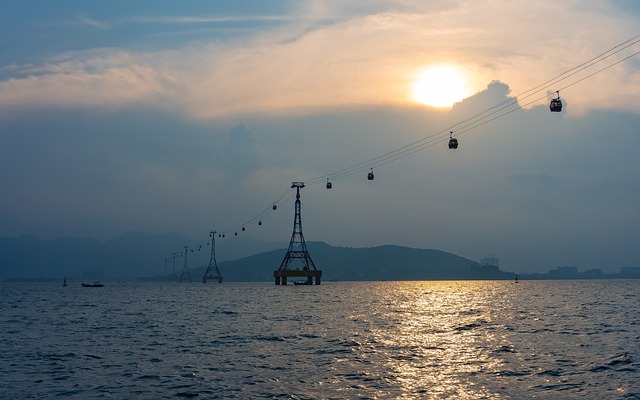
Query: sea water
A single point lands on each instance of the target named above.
(339, 340)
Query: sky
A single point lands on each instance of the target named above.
(182, 117)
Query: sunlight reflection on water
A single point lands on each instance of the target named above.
(435, 341)
(413, 340)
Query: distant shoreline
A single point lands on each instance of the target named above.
(165, 280)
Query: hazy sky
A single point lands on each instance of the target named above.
(165, 116)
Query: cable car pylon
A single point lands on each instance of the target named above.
(212, 272)
(185, 276)
(174, 276)
(297, 250)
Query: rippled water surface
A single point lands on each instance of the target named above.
(463, 340)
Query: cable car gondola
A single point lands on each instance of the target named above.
(329, 185)
(453, 143)
(260, 222)
(370, 175)
(243, 229)
(556, 104)
(275, 207)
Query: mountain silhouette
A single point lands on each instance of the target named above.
(138, 255)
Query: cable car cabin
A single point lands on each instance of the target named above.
(329, 185)
(555, 105)
(370, 175)
(453, 143)
(275, 207)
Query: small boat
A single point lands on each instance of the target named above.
(94, 284)
(302, 282)
(65, 282)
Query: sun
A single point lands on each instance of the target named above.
(441, 86)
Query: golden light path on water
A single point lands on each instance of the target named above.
(442, 332)
(342, 340)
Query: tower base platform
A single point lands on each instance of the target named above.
(282, 275)
(212, 278)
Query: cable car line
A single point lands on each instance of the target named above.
(583, 66)
(546, 84)
(557, 79)
(283, 198)
(600, 70)
(475, 121)
(562, 88)
(460, 127)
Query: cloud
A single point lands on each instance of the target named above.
(355, 56)
(215, 19)
(536, 188)
(112, 80)
(84, 20)
(242, 153)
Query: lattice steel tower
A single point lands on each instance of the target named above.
(297, 251)
(212, 272)
(173, 276)
(184, 276)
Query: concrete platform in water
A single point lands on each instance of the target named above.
(282, 275)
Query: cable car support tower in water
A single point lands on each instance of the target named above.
(297, 250)
(212, 272)
(185, 275)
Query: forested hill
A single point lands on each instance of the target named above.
(130, 255)
(372, 263)
(141, 255)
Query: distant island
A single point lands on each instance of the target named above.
(142, 256)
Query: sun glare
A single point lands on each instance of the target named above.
(441, 86)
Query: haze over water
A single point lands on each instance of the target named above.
(469, 340)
